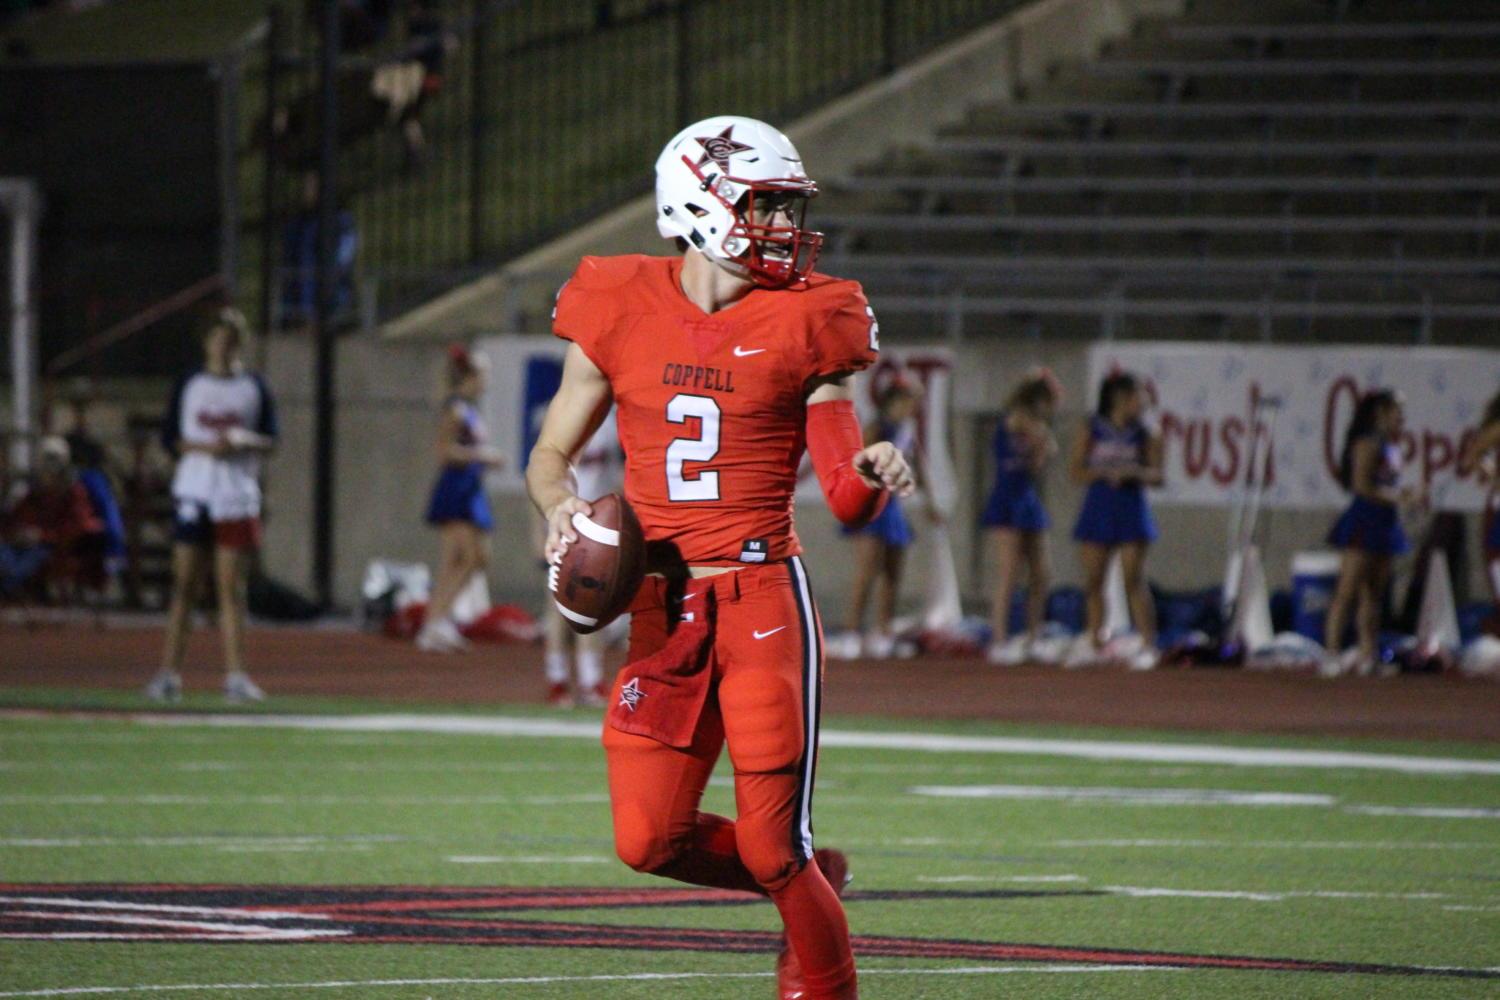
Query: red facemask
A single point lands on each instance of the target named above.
(774, 256)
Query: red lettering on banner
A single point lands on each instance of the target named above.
(1230, 432)
(1217, 447)
(1333, 441)
(1195, 448)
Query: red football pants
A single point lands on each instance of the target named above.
(766, 675)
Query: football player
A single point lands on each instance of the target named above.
(724, 364)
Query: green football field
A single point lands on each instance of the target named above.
(346, 853)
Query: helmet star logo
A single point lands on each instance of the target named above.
(721, 147)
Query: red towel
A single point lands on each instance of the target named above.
(662, 695)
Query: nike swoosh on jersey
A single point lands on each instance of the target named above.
(763, 635)
(740, 352)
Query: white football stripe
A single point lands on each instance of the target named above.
(594, 531)
(574, 616)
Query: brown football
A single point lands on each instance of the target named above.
(598, 576)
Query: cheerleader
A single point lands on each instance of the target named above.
(1485, 444)
(221, 424)
(1116, 456)
(598, 472)
(1369, 531)
(459, 508)
(1014, 517)
(880, 546)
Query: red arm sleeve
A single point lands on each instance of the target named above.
(833, 439)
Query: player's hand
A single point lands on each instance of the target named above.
(560, 530)
(221, 447)
(882, 467)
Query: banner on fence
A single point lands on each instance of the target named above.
(1205, 394)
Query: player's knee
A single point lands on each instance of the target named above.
(643, 848)
(763, 723)
(643, 841)
(768, 856)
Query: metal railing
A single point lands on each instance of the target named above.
(471, 137)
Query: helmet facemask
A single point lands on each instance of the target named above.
(766, 238)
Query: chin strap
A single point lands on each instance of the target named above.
(833, 439)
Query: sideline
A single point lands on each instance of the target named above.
(1111, 750)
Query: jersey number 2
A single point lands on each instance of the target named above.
(704, 485)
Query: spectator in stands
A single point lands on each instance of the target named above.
(51, 535)
(1369, 531)
(299, 259)
(598, 470)
(1116, 456)
(92, 464)
(880, 546)
(430, 43)
(220, 424)
(459, 508)
(1023, 446)
(1481, 456)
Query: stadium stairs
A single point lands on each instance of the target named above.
(1327, 172)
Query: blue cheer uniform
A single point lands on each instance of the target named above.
(1115, 515)
(891, 526)
(1014, 502)
(1369, 525)
(458, 494)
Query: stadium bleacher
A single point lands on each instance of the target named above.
(1326, 164)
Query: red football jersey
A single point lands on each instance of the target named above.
(711, 409)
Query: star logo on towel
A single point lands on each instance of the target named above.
(631, 694)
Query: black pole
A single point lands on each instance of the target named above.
(479, 83)
(888, 53)
(270, 179)
(326, 282)
(683, 70)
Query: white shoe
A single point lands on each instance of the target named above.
(1146, 659)
(843, 646)
(441, 636)
(239, 689)
(1049, 650)
(1347, 662)
(879, 645)
(1082, 653)
(165, 687)
(1011, 653)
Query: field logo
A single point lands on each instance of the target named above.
(518, 917)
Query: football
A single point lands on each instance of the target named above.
(597, 577)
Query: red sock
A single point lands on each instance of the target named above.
(712, 859)
(818, 932)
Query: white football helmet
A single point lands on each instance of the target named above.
(734, 188)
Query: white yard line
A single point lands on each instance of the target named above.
(1429, 812)
(107, 904)
(529, 859)
(1155, 892)
(232, 931)
(1116, 750)
(976, 970)
(1127, 796)
(303, 800)
(221, 843)
(1280, 845)
(947, 879)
